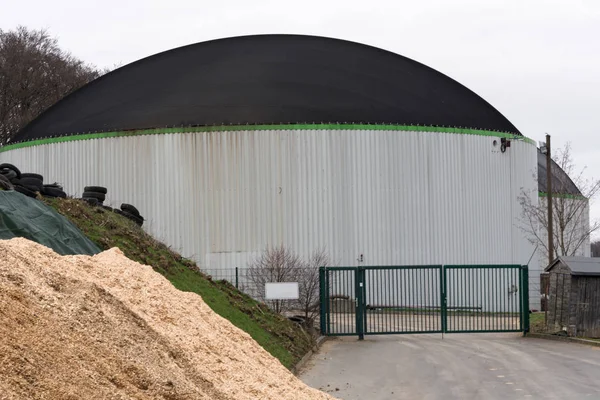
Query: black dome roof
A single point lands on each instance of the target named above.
(268, 79)
(561, 182)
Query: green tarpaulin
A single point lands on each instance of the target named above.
(22, 216)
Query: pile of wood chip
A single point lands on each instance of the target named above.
(106, 327)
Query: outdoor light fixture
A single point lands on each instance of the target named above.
(504, 143)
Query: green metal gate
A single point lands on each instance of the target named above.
(423, 299)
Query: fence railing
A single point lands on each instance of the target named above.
(251, 282)
(237, 276)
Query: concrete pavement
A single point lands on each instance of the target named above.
(459, 366)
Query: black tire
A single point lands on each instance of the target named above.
(299, 321)
(25, 191)
(30, 181)
(92, 201)
(108, 208)
(32, 175)
(95, 195)
(53, 192)
(34, 189)
(8, 174)
(12, 167)
(97, 189)
(135, 218)
(117, 211)
(54, 186)
(130, 209)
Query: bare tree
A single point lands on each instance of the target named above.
(572, 227)
(279, 264)
(34, 74)
(275, 264)
(308, 285)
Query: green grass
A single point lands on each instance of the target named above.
(282, 338)
(537, 322)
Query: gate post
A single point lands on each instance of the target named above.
(525, 297)
(359, 283)
(443, 299)
(521, 300)
(324, 303)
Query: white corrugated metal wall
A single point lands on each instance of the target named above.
(395, 197)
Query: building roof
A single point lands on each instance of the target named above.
(561, 182)
(268, 79)
(589, 266)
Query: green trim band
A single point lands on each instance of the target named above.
(230, 128)
(564, 196)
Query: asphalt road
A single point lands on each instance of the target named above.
(459, 366)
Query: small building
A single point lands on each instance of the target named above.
(574, 296)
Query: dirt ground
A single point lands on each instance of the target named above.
(105, 327)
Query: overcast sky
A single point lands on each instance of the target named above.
(537, 62)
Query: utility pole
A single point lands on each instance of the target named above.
(546, 150)
(549, 197)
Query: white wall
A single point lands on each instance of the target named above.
(395, 197)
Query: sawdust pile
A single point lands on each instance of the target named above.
(106, 327)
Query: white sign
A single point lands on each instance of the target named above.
(281, 291)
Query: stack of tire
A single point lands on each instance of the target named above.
(9, 173)
(94, 195)
(53, 190)
(130, 212)
(30, 184)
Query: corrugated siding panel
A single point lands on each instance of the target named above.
(395, 197)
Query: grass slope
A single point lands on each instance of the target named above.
(276, 334)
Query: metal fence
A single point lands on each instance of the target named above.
(252, 285)
(238, 277)
(423, 299)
